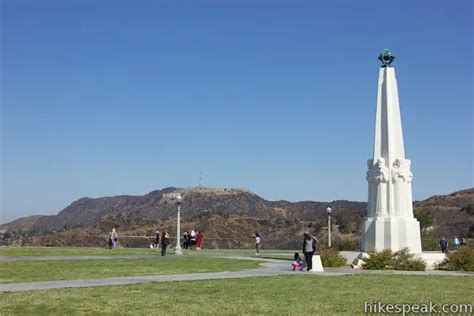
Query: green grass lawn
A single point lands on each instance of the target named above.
(29, 271)
(298, 294)
(88, 251)
(71, 251)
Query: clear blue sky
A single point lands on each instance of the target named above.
(124, 97)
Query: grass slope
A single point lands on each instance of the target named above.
(299, 294)
(89, 251)
(30, 271)
(71, 251)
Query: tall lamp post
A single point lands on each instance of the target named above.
(329, 226)
(177, 249)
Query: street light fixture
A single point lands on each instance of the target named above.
(177, 249)
(329, 226)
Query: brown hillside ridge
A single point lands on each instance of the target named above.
(228, 218)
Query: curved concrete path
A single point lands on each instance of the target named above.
(269, 267)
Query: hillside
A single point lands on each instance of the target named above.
(228, 217)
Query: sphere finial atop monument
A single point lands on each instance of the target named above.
(386, 57)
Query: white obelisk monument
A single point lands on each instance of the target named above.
(390, 222)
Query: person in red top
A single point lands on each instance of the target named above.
(199, 239)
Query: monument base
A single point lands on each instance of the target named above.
(392, 233)
(431, 258)
(358, 262)
(317, 264)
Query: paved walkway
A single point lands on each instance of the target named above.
(269, 267)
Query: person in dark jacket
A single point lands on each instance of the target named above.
(165, 238)
(443, 244)
(156, 244)
(110, 242)
(185, 240)
(309, 248)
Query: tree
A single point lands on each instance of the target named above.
(469, 209)
(425, 218)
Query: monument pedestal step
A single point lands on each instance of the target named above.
(317, 264)
(392, 233)
(430, 258)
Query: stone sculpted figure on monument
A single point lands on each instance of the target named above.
(372, 188)
(381, 177)
(401, 179)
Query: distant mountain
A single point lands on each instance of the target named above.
(452, 214)
(227, 216)
(154, 206)
(23, 224)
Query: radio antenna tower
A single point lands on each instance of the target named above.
(200, 180)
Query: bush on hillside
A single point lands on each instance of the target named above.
(347, 244)
(389, 260)
(425, 218)
(469, 209)
(461, 259)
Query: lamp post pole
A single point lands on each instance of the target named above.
(177, 249)
(329, 226)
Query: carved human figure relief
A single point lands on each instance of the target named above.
(399, 188)
(372, 188)
(381, 177)
(401, 179)
(408, 176)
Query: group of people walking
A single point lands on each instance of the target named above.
(456, 244)
(193, 240)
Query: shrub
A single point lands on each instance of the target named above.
(404, 260)
(461, 259)
(388, 260)
(330, 257)
(429, 242)
(379, 260)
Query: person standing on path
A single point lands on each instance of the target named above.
(110, 242)
(443, 244)
(309, 247)
(165, 238)
(257, 243)
(185, 240)
(456, 243)
(113, 236)
(157, 239)
(192, 239)
(199, 239)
